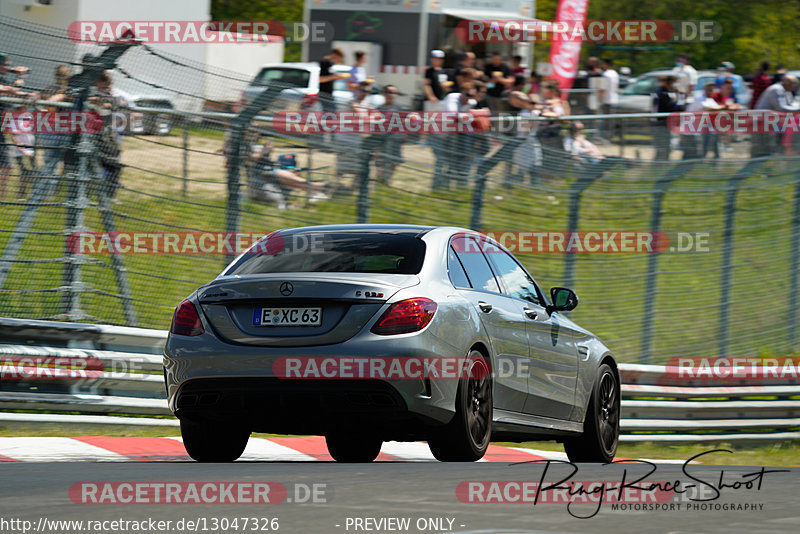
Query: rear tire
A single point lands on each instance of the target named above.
(213, 442)
(600, 437)
(349, 448)
(467, 436)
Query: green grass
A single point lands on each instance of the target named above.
(783, 453)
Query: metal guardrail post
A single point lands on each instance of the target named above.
(794, 259)
(727, 252)
(674, 173)
(504, 153)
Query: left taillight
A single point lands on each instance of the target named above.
(308, 101)
(405, 316)
(186, 321)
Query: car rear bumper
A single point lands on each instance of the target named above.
(211, 380)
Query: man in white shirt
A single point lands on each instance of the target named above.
(609, 98)
(686, 77)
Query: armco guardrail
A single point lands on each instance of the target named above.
(121, 383)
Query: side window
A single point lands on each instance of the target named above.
(477, 268)
(515, 280)
(457, 275)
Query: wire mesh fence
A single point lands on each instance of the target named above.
(723, 280)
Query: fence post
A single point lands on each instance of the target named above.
(45, 185)
(74, 223)
(235, 149)
(795, 263)
(677, 171)
(575, 192)
(727, 252)
(368, 145)
(504, 153)
(185, 122)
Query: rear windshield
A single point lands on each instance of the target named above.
(333, 252)
(283, 78)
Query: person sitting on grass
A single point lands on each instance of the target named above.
(273, 183)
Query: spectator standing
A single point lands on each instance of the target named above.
(665, 100)
(609, 98)
(500, 78)
(528, 155)
(350, 158)
(595, 83)
(707, 103)
(550, 136)
(9, 88)
(516, 66)
(108, 142)
(535, 84)
(435, 82)
(358, 73)
(23, 153)
(389, 150)
(725, 71)
(780, 70)
(327, 77)
(685, 76)
(54, 143)
(465, 67)
(458, 146)
(759, 83)
(777, 97)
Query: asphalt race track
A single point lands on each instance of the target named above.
(423, 493)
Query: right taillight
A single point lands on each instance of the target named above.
(186, 321)
(406, 316)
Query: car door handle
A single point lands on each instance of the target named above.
(531, 314)
(484, 306)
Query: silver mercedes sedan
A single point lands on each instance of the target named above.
(373, 333)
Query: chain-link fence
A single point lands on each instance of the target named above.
(161, 168)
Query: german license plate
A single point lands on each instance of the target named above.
(287, 317)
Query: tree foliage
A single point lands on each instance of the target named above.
(751, 31)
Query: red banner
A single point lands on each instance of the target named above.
(564, 55)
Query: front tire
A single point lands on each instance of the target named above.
(207, 442)
(467, 436)
(348, 448)
(601, 427)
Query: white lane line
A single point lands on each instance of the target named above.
(50, 449)
(264, 450)
(412, 451)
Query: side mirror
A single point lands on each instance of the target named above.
(564, 299)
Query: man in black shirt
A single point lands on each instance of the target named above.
(500, 79)
(665, 100)
(326, 78)
(436, 82)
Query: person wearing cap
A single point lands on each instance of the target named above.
(725, 71)
(665, 100)
(435, 82)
